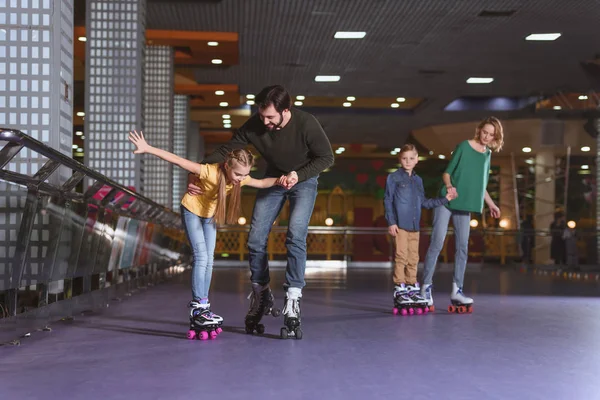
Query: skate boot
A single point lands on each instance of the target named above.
(460, 303)
(420, 303)
(203, 322)
(291, 314)
(403, 304)
(426, 290)
(261, 303)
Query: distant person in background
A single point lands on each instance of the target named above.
(527, 239)
(466, 177)
(557, 244)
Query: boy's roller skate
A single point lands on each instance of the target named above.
(403, 304)
(461, 304)
(291, 314)
(420, 303)
(428, 296)
(261, 303)
(203, 322)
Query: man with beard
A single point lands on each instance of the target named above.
(296, 150)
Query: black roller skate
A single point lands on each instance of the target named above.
(291, 314)
(203, 322)
(261, 303)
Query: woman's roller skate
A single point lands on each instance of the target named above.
(203, 322)
(420, 303)
(403, 304)
(261, 303)
(291, 314)
(461, 304)
(426, 294)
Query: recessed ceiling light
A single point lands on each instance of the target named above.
(395, 105)
(585, 148)
(480, 80)
(217, 61)
(327, 78)
(219, 93)
(350, 98)
(226, 121)
(79, 150)
(83, 137)
(543, 36)
(526, 149)
(223, 104)
(226, 116)
(226, 125)
(213, 44)
(583, 97)
(79, 133)
(441, 156)
(342, 149)
(250, 96)
(397, 149)
(298, 103)
(75, 146)
(393, 152)
(557, 107)
(81, 114)
(300, 98)
(250, 102)
(347, 104)
(585, 167)
(400, 99)
(349, 35)
(82, 38)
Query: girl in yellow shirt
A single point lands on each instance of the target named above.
(201, 214)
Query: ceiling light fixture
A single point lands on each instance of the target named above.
(300, 98)
(545, 37)
(347, 104)
(217, 61)
(223, 104)
(474, 79)
(526, 149)
(219, 93)
(213, 44)
(327, 78)
(586, 148)
(350, 98)
(400, 99)
(349, 35)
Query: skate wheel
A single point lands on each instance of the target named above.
(425, 310)
(298, 333)
(260, 329)
(395, 311)
(419, 311)
(411, 311)
(462, 309)
(191, 334)
(218, 330)
(431, 308)
(404, 312)
(249, 330)
(470, 309)
(213, 334)
(283, 333)
(203, 335)
(451, 309)
(276, 312)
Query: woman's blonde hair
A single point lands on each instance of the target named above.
(498, 142)
(245, 159)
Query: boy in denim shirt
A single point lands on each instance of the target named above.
(404, 198)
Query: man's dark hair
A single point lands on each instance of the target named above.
(275, 95)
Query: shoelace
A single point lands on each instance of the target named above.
(291, 304)
(255, 304)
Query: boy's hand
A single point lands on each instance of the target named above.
(393, 230)
(139, 141)
(451, 195)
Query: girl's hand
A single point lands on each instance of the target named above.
(495, 211)
(138, 140)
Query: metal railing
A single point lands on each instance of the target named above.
(58, 244)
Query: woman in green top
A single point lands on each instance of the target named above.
(467, 175)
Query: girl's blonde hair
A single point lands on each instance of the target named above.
(245, 159)
(498, 142)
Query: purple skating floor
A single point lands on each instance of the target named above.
(530, 337)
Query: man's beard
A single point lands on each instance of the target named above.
(272, 127)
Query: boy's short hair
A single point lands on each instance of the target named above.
(408, 147)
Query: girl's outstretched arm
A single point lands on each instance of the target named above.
(261, 183)
(143, 147)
